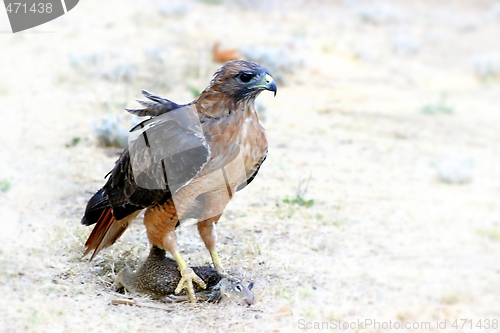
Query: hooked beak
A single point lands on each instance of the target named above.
(267, 83)
(270, 84)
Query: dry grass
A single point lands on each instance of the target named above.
(376, 235)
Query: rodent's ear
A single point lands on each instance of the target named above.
(250, 286)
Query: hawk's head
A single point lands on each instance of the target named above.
(242, 79)
(237, 81)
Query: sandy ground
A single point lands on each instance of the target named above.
(386, 121)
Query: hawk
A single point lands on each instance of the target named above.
(185, 161)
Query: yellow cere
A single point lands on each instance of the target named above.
(269, 78)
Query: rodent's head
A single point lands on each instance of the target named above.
(234, 290)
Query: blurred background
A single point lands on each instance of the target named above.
(380, 197)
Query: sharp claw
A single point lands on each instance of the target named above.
(186, 282)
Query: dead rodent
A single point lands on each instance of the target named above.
(158, 277)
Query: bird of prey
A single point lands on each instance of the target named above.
(185, 162)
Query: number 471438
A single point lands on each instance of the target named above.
(468, 323)
(19, 7)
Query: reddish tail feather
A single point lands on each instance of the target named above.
(106, 231)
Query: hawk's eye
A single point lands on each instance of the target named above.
(245, 77)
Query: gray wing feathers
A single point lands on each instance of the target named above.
(156, 107)
(169, 150)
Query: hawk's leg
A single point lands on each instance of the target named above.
(188, 276)
(207, 232)
(160, 223)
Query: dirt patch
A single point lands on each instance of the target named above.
(379, 199)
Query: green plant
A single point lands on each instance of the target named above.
(4, 185)
(439, 107)
(298, 200)
(73, 142)
(302, 187)
(195, 91)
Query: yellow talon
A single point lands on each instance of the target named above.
(188, 276)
